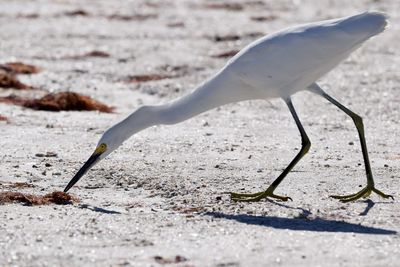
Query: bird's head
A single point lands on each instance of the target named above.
(110, 141)
(142, 118)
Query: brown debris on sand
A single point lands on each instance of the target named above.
(15, 185)
(263, 18)
(59, 101)
(13, 99)
(8, 73)
(56, 197)
(75, 13)
(9, 80)
(176, 259)
(226, 6)
(19, 68)
(28, 16)
(148, 78)
(48, 154)
(94, 53)
(176, 24)
(235, 37)
(97, 53)
(230, 53)
(3, 118)
(224, 38)
(165, 72)
(137, 17)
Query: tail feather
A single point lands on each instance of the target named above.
(366, 24)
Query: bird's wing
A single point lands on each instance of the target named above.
(300, 55)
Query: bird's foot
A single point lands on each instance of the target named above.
(364, 193)
(258, 196)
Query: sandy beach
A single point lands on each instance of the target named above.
(160, 199)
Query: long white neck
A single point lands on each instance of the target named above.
(220, 90)
(211, 94)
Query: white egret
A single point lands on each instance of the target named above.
(275, 66)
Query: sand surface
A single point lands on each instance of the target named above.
(160, 198)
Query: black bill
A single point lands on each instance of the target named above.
(89, 163)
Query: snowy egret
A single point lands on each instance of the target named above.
(275, 66)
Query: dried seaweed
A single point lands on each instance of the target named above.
(15, 185)
(48, 154)
(8, 71)
(58, 102)
(19, 68)
(9, 80)
(177, 24)
(235, 37)
(176, 259)
(3, 118)
(75, 13)
(94, 53)
(148, 78)
(234, 6)
(226, 6)
(13, 99)
(224, 38)
(230, 53)
(137, 17)
(28, 16)
(56, 197)
(263, 18)
(97, 53)
(256, 3)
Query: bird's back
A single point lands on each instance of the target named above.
(285, 62)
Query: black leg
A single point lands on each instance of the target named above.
(360, 128)
(365, 192)
(305, 146)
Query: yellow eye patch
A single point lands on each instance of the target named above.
(101, 149)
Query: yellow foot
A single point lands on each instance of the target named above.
(364, 193)
(257, 196)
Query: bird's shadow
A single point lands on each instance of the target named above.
(97, 209)
(305, 222)
(370, 205)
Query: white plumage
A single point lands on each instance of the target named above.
(290, 60)
(277, 65)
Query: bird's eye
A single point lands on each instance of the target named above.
(101, 148)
